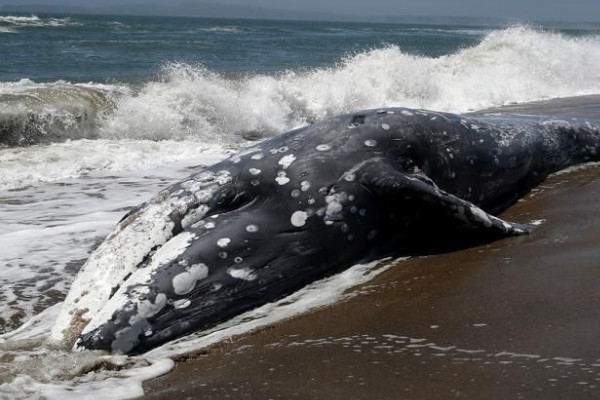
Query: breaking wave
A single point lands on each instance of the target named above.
(190, 102)
(12, 21)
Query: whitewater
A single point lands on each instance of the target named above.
(75, 156)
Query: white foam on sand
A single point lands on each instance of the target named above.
(62, 377)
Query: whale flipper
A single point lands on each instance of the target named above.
(382, 178)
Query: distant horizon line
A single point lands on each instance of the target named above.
(289, 15)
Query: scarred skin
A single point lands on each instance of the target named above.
(314, 201)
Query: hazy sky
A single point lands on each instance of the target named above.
(586, 10)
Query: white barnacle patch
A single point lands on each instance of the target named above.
(223, 242)
(298, 218)
(334, 204)
(252, 228)
(257, 156)
(370, 143)
(295, 193)
(185, 282)
(238, 260)
(304, 186)
(323, 147)
(282, 178)
(147, 309)
(286, 161)
(385, 127)
(209, 225)
(283, 149)
(223, 255)
(481, 215)
(242, 273)
(181, 303)
(406, 112)
(223, 177)
(254, 171)
(255, 182)
(194, 216)
(236, 160)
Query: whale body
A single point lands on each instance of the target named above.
(306, 204)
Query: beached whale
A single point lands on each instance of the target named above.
(305, 204)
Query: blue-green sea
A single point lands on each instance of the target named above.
(98, 113)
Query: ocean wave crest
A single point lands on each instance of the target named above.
(517, 64)
(190, 102)
(13, 21)
(32, 113)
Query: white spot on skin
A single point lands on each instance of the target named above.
(295, 193)
(242, 273)
(298, 218)
(181, 303)
(370, 143)
(334, 205)
(406, 112)
(257, 156)
(238, 260)
(286, 161)
(254, 171)
(385, 127)
(304, 186)
(223, 242)
(282, 179)
(349, 177)
(323, 147)
(186, 281)
(252, 228)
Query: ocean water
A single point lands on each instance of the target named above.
(97, 113)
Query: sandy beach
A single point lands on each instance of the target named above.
(513, 319)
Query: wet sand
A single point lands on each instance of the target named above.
(518, 318)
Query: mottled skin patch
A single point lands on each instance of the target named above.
(393, 182)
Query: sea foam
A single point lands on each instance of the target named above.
(517, 64)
